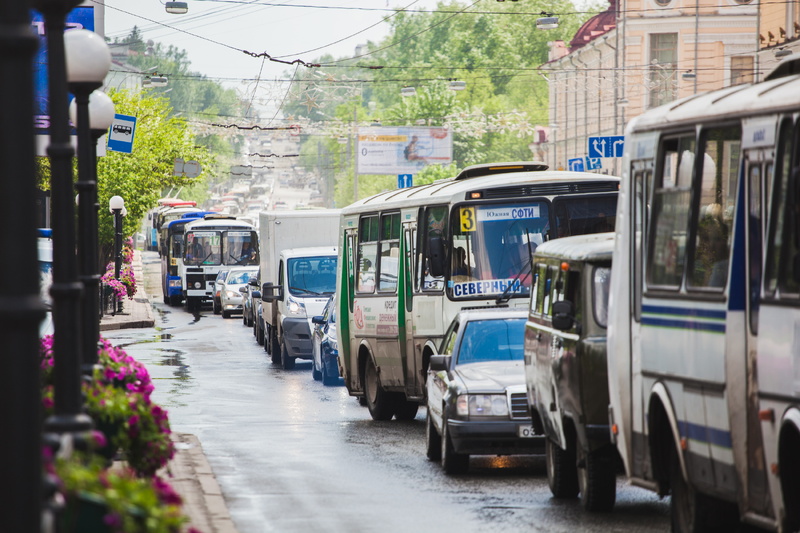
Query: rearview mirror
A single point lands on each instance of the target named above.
(271, 293)
(318, 320)
(436, 256)
(439, 363)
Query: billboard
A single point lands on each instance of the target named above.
(402, 150)
(80, 17)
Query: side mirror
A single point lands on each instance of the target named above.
(253, 282)
(436, 257)
(439, 363)
(243, 290)
(255, 294)
(563, 315)
(271, 293)
(319, 320)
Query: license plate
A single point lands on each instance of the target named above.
(526, 432)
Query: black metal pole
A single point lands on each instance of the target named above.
(66, 289)
(21, 308)
(87, 226)
(117, 242)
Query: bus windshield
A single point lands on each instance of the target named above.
(240, 248)
(312, 275)
(492, 247)
(203, 248)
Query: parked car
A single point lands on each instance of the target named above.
(230, 297)
(219, 283)
(476, 390)
(565, 367)
(324, 347)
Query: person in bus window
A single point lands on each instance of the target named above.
(247, 253)
(460, 267)
(195, 250)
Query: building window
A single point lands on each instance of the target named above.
(741, 70)
(662, 76)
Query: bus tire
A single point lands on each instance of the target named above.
(175, 300)
(687, 510)
(433, 441)
(404, 409)
(597, 479)
(287, 362)
(562, 473)
(453, 463)
(379, 402)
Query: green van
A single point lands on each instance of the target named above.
(565, 366)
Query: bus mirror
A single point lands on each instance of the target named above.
(796, 267)
(563, 315)
(436, 256)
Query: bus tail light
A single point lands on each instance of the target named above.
(766, 415)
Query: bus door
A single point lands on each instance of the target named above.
(348, 344)
(415, 372)
(757, 168)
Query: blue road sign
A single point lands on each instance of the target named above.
(611, 146)
(575, 164)
(405, 180)
(593, 163)
(120, 137)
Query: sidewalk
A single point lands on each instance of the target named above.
(188, 472)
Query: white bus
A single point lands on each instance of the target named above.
(211, 244)
(704, 349)
(410, 259)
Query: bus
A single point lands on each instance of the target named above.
(211, 244)
(703, 344)
(172, 256)
(410, 259)
(152, 223)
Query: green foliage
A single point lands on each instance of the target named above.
(141, 177)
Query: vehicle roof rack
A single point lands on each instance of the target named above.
(788, 66)
(486, 169)
(219, 216)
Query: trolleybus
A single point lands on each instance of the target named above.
(410, 259)
(704, 331)
(210, 244)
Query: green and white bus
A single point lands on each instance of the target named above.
(410, 259)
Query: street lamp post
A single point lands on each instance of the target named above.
(66, 288)
(88, 62)
(21, 308)
(116, 205)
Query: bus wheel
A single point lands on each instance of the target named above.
(562, 474)
(686, 507)
(404, 409)
(597, 479)
(175, 300)
(379, 401)
(286, 362)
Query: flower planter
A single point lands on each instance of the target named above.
(84, 513)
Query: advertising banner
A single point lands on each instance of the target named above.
(402, 150)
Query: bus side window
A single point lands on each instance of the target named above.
(389, 252)
(777, 246)
(671, 200)
(367, 254)
(435, 226)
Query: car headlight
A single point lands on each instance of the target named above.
(295, 308)
(482, 405)
(231, 294)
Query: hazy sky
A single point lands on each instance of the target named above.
(213, 31)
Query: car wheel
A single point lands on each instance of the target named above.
(226, 314)
(328, 378)
(378, 400)
(316, 374)
(404, 409)
(244, 319)
(274, 348)
(453, 463)
(597, 478)
(216, 307)
(433, 441)
(562, 474)
(286, 362)
(259, 335)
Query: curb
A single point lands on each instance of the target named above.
(140, 302)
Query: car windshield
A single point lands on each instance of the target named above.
(312, 275)
(492, 340)
(240, 278)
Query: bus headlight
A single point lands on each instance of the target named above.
(482, 405)
(198, 285)
(295, 308)
(174, 283)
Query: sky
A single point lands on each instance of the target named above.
(214, 32)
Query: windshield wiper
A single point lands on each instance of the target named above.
(506, 296)
(307, 291)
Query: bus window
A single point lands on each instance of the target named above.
(389, 252)
(717, 190)
(367, 254)
(671, 199)
(240, 248)
(433, 231)
(776, 253)
(580, 216)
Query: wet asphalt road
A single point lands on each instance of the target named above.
(292, 455)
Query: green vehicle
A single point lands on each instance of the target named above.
(565, 367)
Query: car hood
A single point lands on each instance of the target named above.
(491, 376)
